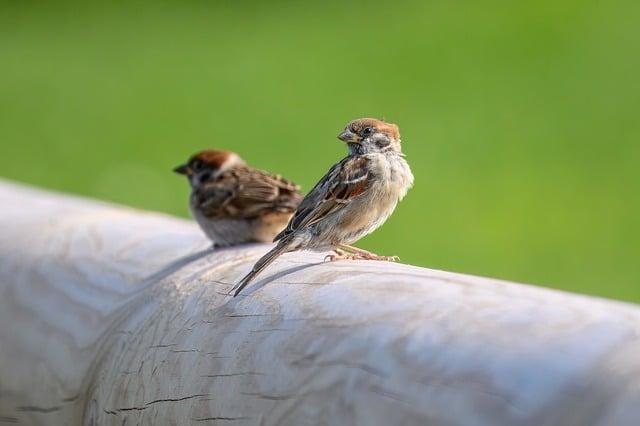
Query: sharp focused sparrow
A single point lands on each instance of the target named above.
(234, 203)
(354, 198)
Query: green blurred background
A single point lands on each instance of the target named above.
(521, 120)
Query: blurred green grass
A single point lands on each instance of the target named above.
(520, 119)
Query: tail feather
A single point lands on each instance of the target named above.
(264, 261)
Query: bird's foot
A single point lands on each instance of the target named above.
(339, 255)
(372, 256)
(360, 254)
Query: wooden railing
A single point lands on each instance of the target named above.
(110, 315)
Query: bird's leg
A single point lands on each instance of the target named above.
(358, 253)
(339, 255)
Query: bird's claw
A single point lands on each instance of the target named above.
(339, 256)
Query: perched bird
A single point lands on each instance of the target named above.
(234, 203)
(354, 198)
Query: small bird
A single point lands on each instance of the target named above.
(353, 199)
(234, 203)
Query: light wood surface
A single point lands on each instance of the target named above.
(113, 316)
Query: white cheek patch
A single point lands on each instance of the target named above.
(232, 161)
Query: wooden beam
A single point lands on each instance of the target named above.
(110, 315)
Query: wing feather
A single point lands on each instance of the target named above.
(247, 193)
(342, 183)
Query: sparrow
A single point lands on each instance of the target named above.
(353, 199)
(234, 203)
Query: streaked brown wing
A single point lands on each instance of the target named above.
(248, 193)
(261, 186)
(342, 183)
(213, 197)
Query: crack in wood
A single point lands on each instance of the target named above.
(131, 409)
(163, 346)
(71, 398)
(269, 397)
(35, 409)
(157, 401)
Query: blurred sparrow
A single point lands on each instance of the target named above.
(234, 203)
(354, 198)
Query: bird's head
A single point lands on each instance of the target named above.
(207, 166)
(368, 135)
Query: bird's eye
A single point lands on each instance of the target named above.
(367, 131)
(196, 165)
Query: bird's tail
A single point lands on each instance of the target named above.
(282, 247)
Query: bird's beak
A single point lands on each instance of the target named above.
(348, 136)
(183, 170)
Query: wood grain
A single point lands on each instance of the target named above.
(110, 315)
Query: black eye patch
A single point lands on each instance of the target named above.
(382, 142)
(204, 177)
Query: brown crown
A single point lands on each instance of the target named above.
(212, 158)
(390, 129)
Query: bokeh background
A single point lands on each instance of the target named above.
(520, 119)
